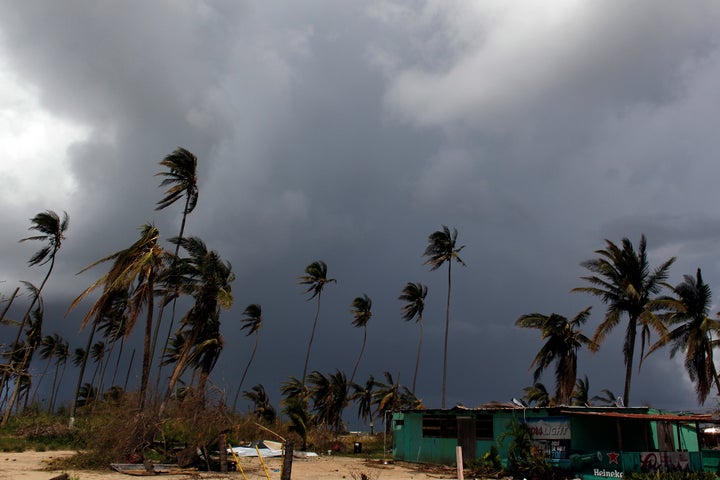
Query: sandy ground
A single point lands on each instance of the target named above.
(36, 466)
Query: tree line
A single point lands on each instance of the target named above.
(140, 291)
(633, 291)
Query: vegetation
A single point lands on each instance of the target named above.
(186, 407)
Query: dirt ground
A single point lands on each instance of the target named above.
(36, 466)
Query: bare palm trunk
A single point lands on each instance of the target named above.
(174, 302)
(357, 362)
(312, 336)
(177, 371)
(147, 360)
(447, 327)
(73, 405)
(247, 367)
(417, 360)
(629, 356)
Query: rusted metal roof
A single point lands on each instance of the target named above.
(662, 417)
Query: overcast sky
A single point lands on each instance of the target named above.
(348, 132)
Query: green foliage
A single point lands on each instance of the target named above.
(488, 465)
(39, 432)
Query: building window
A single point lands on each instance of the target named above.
(484, 427)
(439, 426)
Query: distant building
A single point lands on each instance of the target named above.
(595, 442)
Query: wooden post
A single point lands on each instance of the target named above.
(459, 460)
(222, 447)
(287, 461)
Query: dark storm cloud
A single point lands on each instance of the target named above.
(348, 133)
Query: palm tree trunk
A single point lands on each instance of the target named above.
(73, 405)
(447, 327)
(417, 360)
(312, 336)
(147, 360)
(51, 402)
(174, 302)
(629, 356)
(362, 349)
(247, 367)
(177, 371)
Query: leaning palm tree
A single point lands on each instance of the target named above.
(563, 340)
(315, 278)
(181, 180)
(693, 333)
(622, 279)
(207, 279)
(252, 321)
(52, 230)
(442, 249)
(134, 270)
(361, 311)
(414, 294)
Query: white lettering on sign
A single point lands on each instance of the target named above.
(598, 472)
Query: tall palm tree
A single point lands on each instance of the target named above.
(315, 278)
(693, 331)
(361, 311)
(207, 279)
(46, 352)
(622, 279)
(414, 294)
(52, 230)
(181, 180)
(442, 248)
(563, 340)
(252, 321)
(134, 270)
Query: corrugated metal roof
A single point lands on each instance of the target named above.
(663, 417)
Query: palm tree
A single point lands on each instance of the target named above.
(251, 322)
(607, 398)
(52, 230)
(315, 278)
(563, 341)
(46, 352)
(391, 397)
(61, 355)
(361, 310)
(261, 403)
(25, 352)
(181, 180)
(329, 394)
(414, 294)
(363, 395)
(442, 249)
(294, 406)
(581, 394)
(207, 279)
(134, 270)
(622, 279)
(537, 395)
(693, 332)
